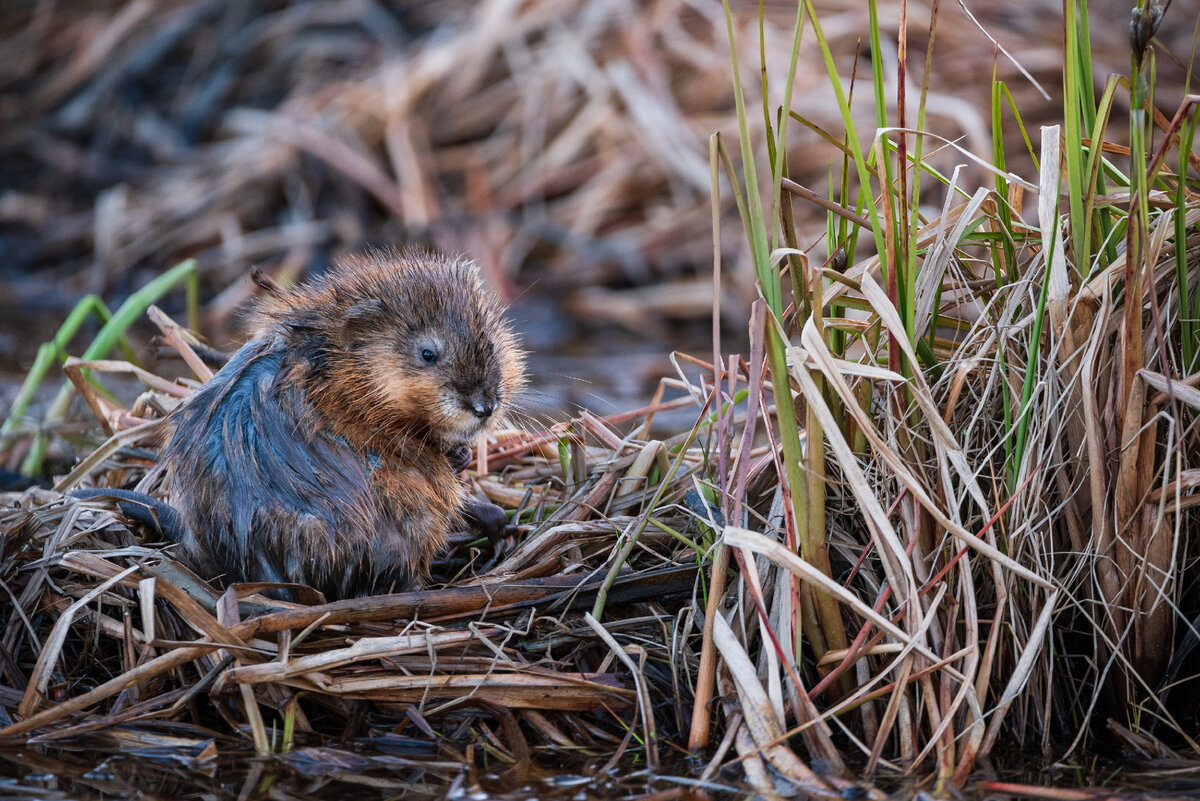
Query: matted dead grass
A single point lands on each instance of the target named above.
(109, 640)
(562, 144)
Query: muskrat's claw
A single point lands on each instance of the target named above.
(460, 457)
(486, 518)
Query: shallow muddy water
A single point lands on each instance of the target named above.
(392, 767)
(380, 768)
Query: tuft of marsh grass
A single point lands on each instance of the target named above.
(984, 427)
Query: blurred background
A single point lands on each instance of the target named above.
(562, 144)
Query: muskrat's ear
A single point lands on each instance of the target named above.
(359, 317)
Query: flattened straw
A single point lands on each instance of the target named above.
(1181, 390)
(640, 525)
(174, 337)
(39, 680)
(360, 650)
(145, 376)
(639, 680)
(139, 674)
(752, 763)
(146, 606)
(97, 457)
(254, 717)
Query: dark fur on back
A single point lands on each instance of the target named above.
(318, 454)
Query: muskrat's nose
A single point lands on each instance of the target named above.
(478, 401)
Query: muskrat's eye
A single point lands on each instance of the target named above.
(429, 356)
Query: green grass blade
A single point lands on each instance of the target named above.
(108, 338)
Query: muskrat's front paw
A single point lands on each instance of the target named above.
(460, 457)
(486, 518)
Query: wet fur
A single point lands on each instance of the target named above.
(318, 454)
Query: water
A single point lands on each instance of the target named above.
(378, 768)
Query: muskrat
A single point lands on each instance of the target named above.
(325, 451)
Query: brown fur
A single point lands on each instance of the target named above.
(318, 455)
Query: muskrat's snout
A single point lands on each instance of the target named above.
(472, 407)
(480, 404)
(482, 409)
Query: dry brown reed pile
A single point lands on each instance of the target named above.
(554, 137)
(562, 144)
(108, 640)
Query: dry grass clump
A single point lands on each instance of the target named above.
(990, 452)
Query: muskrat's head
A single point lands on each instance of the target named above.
(411, 344)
